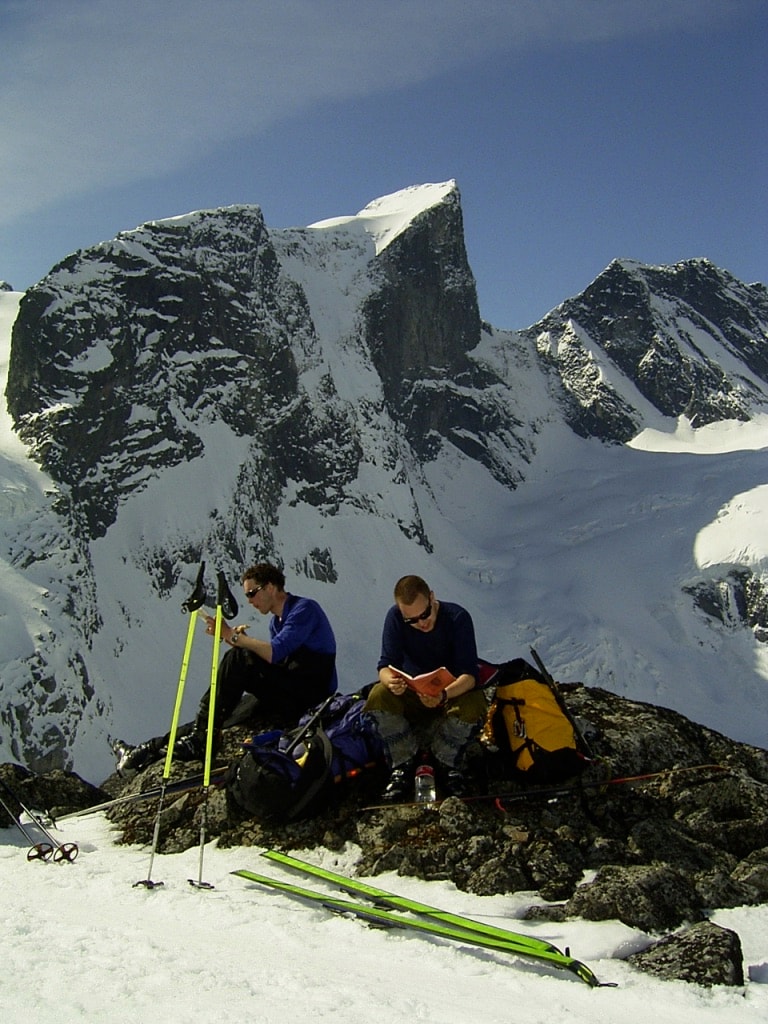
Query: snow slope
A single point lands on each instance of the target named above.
(82, 944)
(585, 562)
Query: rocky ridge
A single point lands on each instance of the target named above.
(686, 338)
(669, 824)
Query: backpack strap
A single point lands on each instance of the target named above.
(581, 741)
(319, 747)
(516, 703)
(518, 728)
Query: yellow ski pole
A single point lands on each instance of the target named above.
(191, 605)
(179, 696)
(225, 606)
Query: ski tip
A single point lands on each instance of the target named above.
(587, 975)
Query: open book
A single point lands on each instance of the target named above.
(430, 683)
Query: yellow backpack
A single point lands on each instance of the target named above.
(530, 728)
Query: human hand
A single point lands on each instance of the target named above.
(226, 632)
(393, 681)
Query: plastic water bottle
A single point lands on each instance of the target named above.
(425, 784)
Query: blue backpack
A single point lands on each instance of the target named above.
(291, 775)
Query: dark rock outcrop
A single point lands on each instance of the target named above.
(705, 954)
(49, 793)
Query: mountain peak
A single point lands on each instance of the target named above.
(388, 216)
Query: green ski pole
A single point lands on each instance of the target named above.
(191, 605)
(226, 607)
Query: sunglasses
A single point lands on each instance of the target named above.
(252, 593)
(419, 618)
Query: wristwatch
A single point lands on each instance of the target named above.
(235, 636)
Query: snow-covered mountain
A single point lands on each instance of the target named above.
(204, 387)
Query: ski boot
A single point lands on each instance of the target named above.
(131, 759)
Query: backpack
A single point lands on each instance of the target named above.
(530, 728)
(289, 775)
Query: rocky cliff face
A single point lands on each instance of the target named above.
(686, 340)
(123, 353)
(206, 387)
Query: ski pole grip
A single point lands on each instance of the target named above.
(197, 597)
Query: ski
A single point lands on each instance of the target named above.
(395, 919)
(382, 897)
(552, 793)
(178, 787)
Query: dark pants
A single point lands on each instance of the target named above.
(284, 690)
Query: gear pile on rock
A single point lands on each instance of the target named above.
(669, 823)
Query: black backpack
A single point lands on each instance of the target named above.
(286, 776)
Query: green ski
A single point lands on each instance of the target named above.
(390, 900)
(395, 919)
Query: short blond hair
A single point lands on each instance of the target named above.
(408, 588)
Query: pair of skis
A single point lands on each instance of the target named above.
(386, 908)
(192, 782)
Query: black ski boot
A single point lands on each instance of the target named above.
(400, 785)
(132, 759)
(190, 747)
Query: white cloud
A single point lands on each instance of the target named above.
(97, 93)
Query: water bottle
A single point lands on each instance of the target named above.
(425, 784)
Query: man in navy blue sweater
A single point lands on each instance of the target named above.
(422, 634)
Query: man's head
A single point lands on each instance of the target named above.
(416, 603)
(264, 588)
(263, 573)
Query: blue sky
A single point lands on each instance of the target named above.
(578, 130)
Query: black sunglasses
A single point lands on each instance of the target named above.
(419, 618)
(252, 593)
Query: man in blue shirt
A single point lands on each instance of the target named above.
(421, 634)
(288, 674)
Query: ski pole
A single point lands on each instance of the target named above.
(43, 851)
(226, 606)
(191, 605)
(37, 851)
(308, 725)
